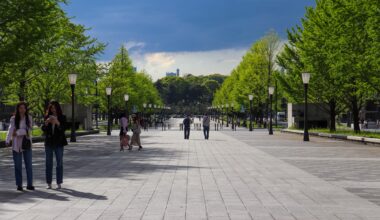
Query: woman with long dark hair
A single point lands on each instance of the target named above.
(20, 134)
(55, 139)
(124, 137)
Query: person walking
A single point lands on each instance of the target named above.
(19, 136)
(186, 126)
(124, 137)
(55, 140)
(136, 129)
(206, 126)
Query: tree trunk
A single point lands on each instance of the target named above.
(22, 86)
(332, 104)
(355, 112)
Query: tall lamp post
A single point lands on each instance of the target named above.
(144, 118)
(306, 79)
(271, 91)
(97, 105)
(232, 117)
(227, 106)
(73, 81)
(250, 112)
(126, 98)
(108, 92)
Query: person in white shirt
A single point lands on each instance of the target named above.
(124, 137)
(19, 136)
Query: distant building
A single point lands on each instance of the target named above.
(173, 74)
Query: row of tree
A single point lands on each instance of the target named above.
(253, 75)
(338, 43)
(189, 93)
(40, 46)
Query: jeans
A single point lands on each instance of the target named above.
(17, 159)
(187, 133)
(58, 151)
(206, 131)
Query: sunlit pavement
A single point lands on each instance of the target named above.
(233, 175)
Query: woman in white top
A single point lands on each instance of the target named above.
(20, 128)
(124, 137)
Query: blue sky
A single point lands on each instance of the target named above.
(172, 27)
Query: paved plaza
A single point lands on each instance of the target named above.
(233, 175)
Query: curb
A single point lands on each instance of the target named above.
(42, 139)
(364, 140)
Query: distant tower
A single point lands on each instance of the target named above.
(177, 72)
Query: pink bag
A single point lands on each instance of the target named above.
(124, 141)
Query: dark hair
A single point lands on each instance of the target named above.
(57, 108)
(18, 117)
(122, 115)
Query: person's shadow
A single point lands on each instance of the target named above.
(79, 194)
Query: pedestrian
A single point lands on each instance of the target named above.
(186, 126)
(55, 140)
(19, 136)
(136, 129)
(124, 137)
(206, 126)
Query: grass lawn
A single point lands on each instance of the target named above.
(36, 133)
(344, 131)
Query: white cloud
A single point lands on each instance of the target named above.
(132, 45)
(196, 63)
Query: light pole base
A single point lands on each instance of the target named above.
(306, 137)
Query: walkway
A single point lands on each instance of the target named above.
(234, 175)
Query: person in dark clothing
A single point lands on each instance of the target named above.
(55, 139)
(186, 126)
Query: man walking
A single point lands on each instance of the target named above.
(186, 126)
(206, 126)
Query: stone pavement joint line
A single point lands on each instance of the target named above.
(234, 175)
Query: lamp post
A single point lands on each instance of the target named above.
(97, 105)
(108, 92)
(222, 113)
(126, 98)
(250, 112)
(271, 91)
(73, 81)
(144, 118)
(233, 126)
(305, 79)
(227, 106)
(154, 116)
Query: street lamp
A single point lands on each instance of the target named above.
(73, 81)
(233, 126)
(126, 98)
(97, 105)
(227, 106)
(108, 92)
(271, 91)
(222, 112)
(144, 118)
(305, 79)
(250, 112)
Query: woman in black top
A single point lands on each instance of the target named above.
(54, 131)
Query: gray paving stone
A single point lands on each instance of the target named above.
(234, 175)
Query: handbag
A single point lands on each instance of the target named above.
(124, 140)
(26, 142)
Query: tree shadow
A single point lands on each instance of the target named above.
(93, 157)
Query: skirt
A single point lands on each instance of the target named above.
(135, 139)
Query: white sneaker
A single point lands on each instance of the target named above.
(49, 186)
(59, 186)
